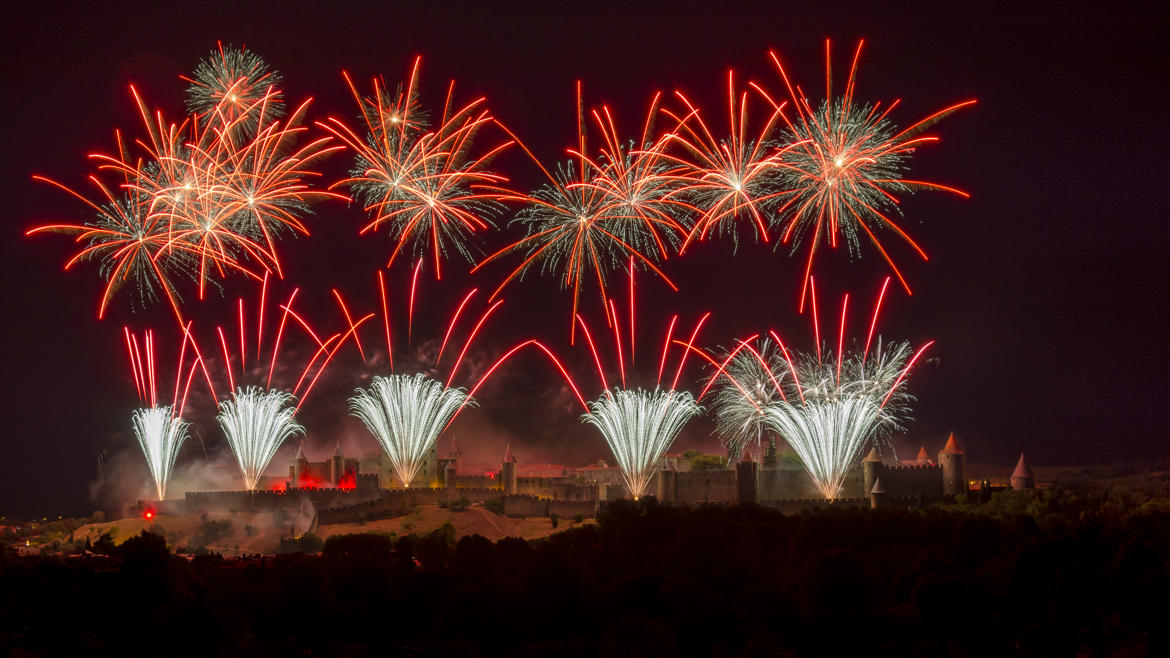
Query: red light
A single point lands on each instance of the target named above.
(149, 514)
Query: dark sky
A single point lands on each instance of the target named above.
(1046, 291)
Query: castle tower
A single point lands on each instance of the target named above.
(508, 471)
(299, 466)
(953, 462)
(877, 494)
(449, 474)
(336, 466)
(869, 467)
(923, 457)
(1022, 476)
(746, 484)
(667, 484)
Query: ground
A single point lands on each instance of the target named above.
(257, 533)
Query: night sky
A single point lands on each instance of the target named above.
(1046, 291)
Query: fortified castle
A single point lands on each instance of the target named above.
(345, 489)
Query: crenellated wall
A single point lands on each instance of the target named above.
(292, 498)
(718, 486)
(910, 480)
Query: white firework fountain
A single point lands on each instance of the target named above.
(406, 414)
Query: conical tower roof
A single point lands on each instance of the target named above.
(952, 446)
(337, 451)
(300, 451)
(872, 456)
(1022, 470)
(877, 487)
(509, 458)
(922, 456)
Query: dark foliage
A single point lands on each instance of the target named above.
(647, 580)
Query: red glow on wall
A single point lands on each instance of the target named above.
(348, 481)
(307, 481)
(278, 486)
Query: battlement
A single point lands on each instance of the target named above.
(202, 501)
(909, 467)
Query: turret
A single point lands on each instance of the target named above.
(336, 466)
(923, 457)
(869, 467)
(953, 463)
(449, 474)
(299, 465)
(667, 484)
(746, 487)
(877, 494)
(1022, 476)
(508, 471)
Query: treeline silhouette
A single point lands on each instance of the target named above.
(646, 580)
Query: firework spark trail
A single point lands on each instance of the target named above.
(256, 423)
(406, 414)
(639, 426)
(161, 434)
(724, 180)
(596, 214)
(160, 429)
(829, 429)
(421, 184)
(257, 418)
(844, 164)
(208, 196)
(827, 406)
(740, 415)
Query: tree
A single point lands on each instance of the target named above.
(708, 462)
(310, 542)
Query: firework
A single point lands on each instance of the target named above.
(421, 184)
(639, 426)
(741, 421)
(844, 165)
(202, 200)
(260, 416)
(256, 423)
(828, 405)
(406, 414)
(595, 214)
(161, 434)
(234, 87)
(128, 244)
(728, 180)
(160, 429)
